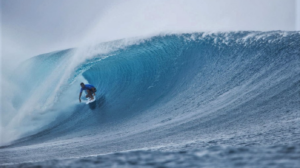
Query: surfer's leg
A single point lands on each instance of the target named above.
(90, 94)
(94, 92)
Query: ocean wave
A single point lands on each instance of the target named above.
(178, 85)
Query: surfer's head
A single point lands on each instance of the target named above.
(82, 84)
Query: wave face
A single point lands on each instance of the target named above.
(164, 92)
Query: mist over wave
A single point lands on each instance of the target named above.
(157, 92)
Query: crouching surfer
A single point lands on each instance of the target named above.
(90, 89)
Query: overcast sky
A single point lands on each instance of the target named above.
(32, 27)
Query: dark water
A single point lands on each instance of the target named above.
(212, 156)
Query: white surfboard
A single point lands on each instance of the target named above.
(91, 101)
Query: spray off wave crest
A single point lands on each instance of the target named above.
(33, 99)
(196, 82)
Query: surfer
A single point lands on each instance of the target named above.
(90, 89)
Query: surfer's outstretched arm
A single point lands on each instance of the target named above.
(80, 96)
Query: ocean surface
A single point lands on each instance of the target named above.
(228, 99)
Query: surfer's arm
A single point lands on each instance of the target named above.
(80, 96)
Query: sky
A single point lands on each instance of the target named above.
(297, 15)
(33, 27)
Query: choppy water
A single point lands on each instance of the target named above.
(210, 156)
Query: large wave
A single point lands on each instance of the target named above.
(199, 81)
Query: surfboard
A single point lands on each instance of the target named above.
(91, 101)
